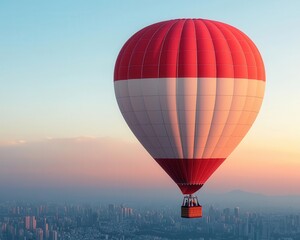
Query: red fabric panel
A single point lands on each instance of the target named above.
(206, 59)
(190, 174)
(187, 57)
(237, 53)
(169, 53)
(224, 63)
(189, 48)
(150, 65)
(135, 65)
(254, 60)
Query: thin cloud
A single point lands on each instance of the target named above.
(80, 161)
(108, 163)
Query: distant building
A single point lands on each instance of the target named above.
(237, 212)
(226, 211)
(33, 223)
(46, 230)
(30, 222)
(27, 222)
(39, 234)
(126, 212)
(53, 235)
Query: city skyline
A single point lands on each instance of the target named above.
(60, 124)
(53, 221)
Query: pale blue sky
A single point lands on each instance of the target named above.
(57, 60)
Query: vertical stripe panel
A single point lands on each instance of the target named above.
(186, 110)
(167, 96)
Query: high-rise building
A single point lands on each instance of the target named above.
(236, 212)
(39, 234)
(27, 222)
(3, 227)
(226, 211)
(53, 235)
(30, 222)
(126, 212)
(33, 223)
(46, 230)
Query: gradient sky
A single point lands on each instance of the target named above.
(59, 121)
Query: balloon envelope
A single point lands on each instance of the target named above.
(189, 89)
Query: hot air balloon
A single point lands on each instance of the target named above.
(189, 89)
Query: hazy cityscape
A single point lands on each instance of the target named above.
(62, 221)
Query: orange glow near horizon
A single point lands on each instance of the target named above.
(113, 163)
(269, 171)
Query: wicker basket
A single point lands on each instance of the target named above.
(191, 212)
